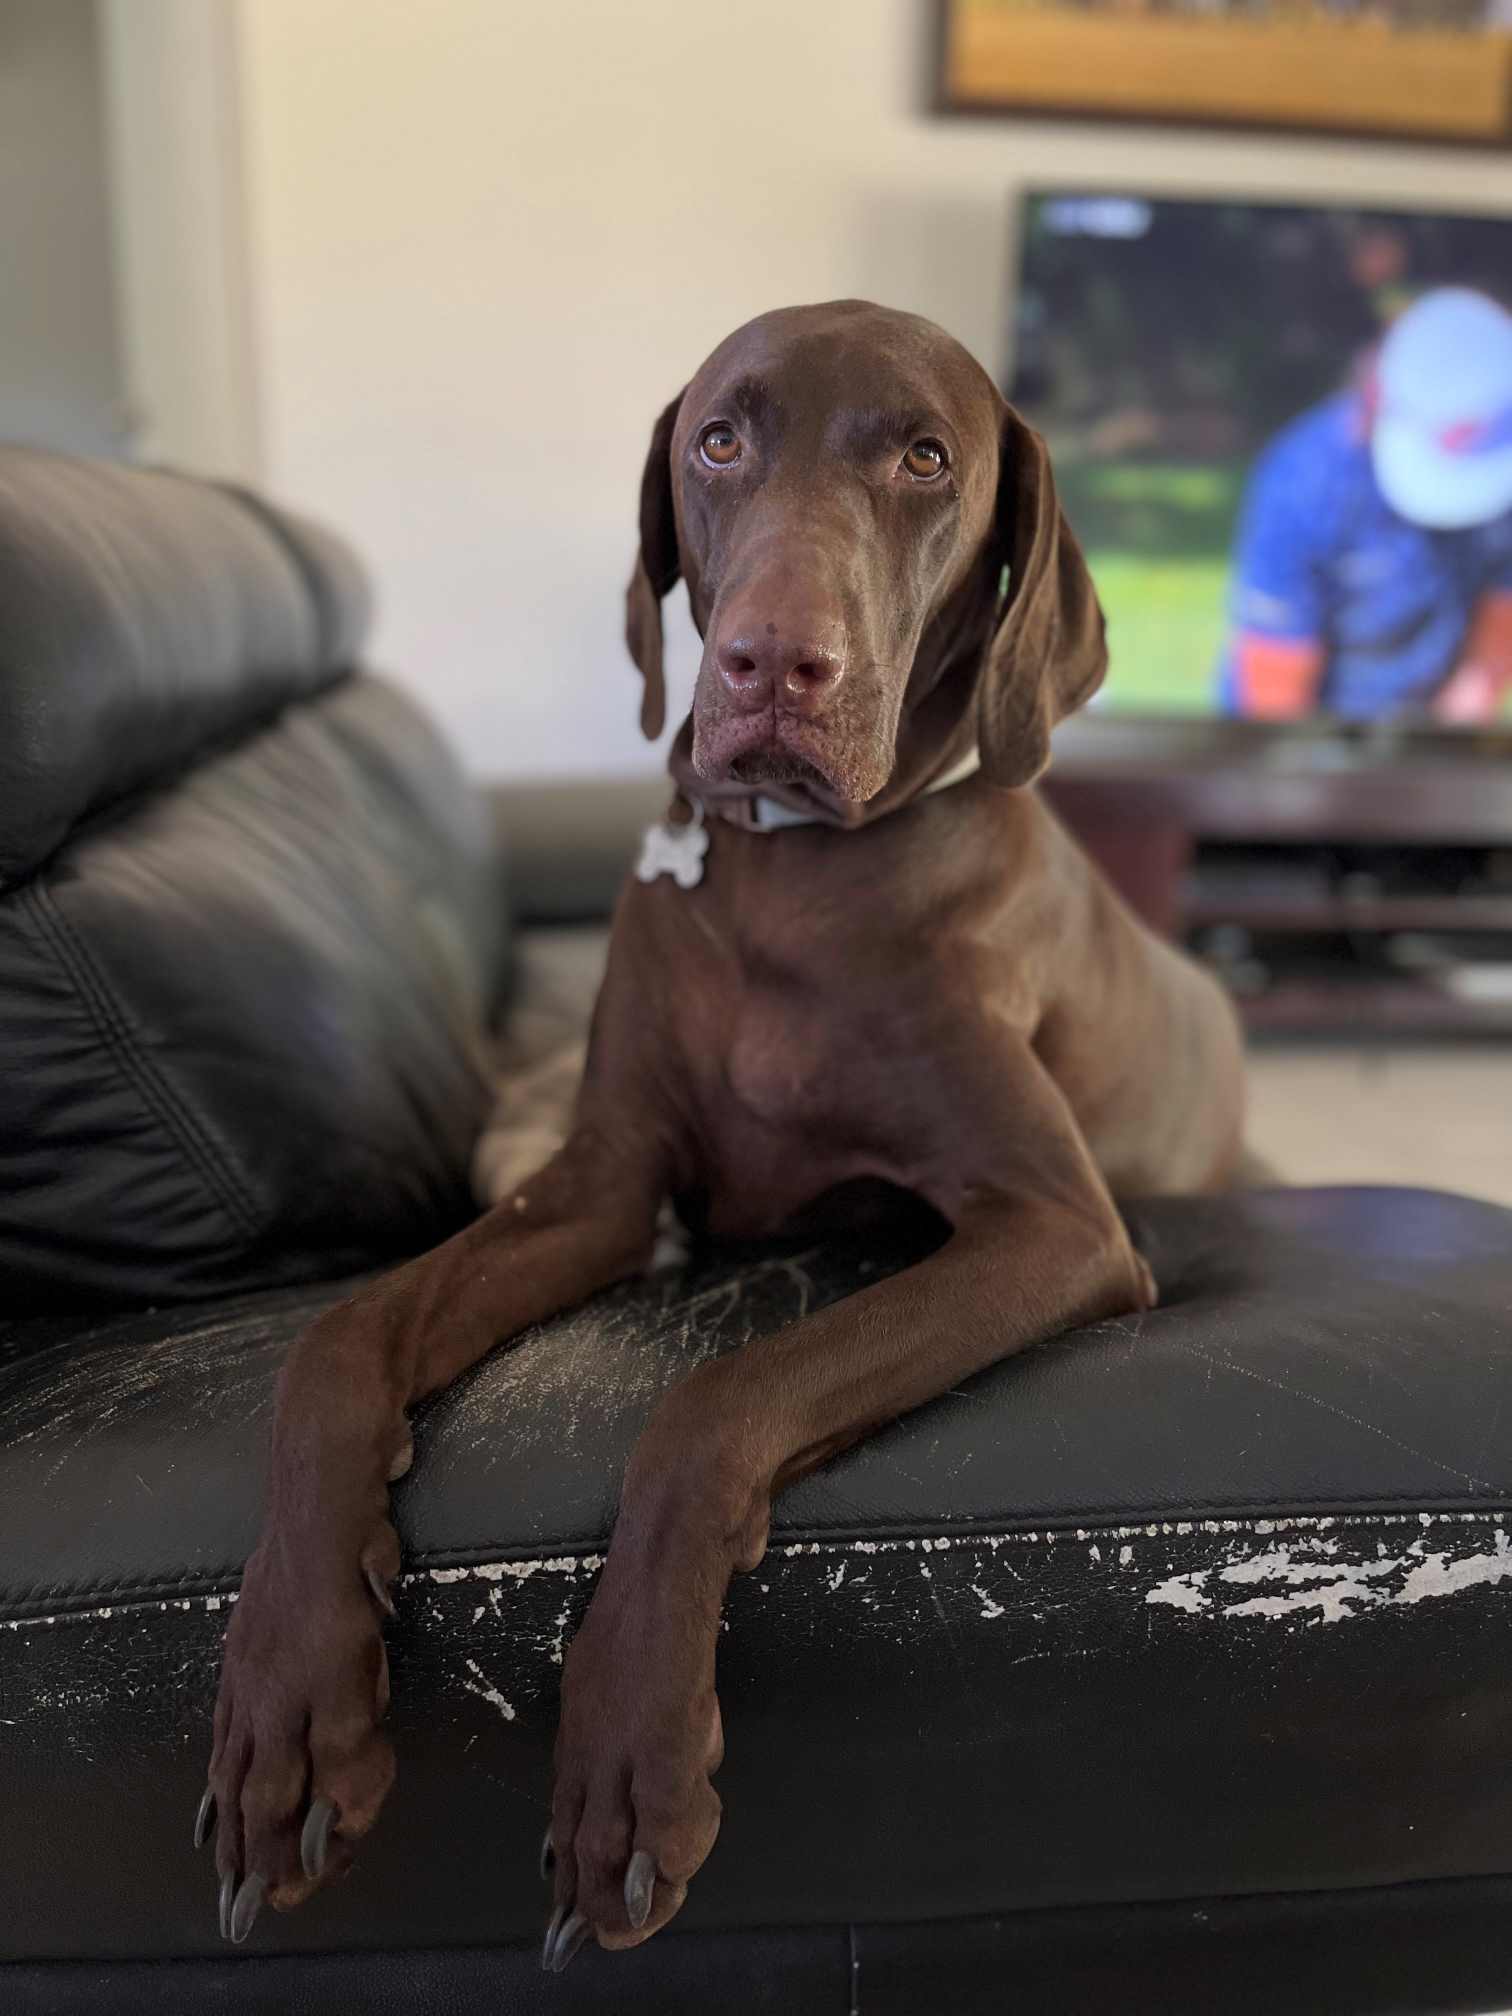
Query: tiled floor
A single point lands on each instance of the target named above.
(1440, 1117)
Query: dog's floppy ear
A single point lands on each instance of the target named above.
(656, 571)
(1046, 652)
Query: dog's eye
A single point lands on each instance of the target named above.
(924, 461)
(719, 445)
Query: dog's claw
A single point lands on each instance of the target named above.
(380, 1591)
(227, 1894)
(548, 1857)
(569, 1939)
(248, 1903)
(640, 1887)
(553, 1926)
(315, 1838)
(204, 1818)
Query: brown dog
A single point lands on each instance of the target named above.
(928, 986)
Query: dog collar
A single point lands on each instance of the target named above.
(679, 851)
(768, 815)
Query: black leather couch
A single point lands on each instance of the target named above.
(1167, 1668)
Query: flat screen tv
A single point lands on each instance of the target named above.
(1284, 438)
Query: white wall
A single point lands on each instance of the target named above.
(490, 238)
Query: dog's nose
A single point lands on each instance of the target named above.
(763, 667)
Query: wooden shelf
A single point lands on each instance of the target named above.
(1206, 826)
(1260, 909)
(1371, 1009)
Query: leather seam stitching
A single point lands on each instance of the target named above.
(165, 1105)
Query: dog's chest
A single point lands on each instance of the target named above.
(775, 1127)
(767, 1067)
(778, 1069)
(796, 1021)
(796, 1026)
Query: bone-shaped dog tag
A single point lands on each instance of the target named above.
(677, 851)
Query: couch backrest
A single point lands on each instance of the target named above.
(251, 929)
(143, 617)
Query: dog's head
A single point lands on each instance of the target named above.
(867, 530)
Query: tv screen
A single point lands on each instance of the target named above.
(1284, 437)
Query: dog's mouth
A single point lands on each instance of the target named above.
(777, 765)
(771, 749)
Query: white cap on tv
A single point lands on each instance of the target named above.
(1441, 441)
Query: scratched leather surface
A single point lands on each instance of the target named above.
(1216, 1603)
(1315, 1350)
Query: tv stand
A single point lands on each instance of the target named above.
(1354, 886)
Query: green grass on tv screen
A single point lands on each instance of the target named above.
(1157, 537)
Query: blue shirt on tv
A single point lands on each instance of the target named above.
(1320, 555)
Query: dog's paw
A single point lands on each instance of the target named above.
(300, 1766)
(633, 1814)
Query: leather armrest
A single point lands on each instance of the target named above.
(1211, 1603)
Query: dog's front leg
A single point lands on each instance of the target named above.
(1037, 1248)
(300, 1766)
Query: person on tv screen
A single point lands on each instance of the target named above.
(1372, 568)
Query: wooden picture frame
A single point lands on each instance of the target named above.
(1436, 72)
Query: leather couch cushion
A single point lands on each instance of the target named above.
(1215, 1602)
(244, 1016)
(142, 616)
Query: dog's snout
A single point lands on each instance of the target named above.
(762, 666)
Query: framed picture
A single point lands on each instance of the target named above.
(1426, 70)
